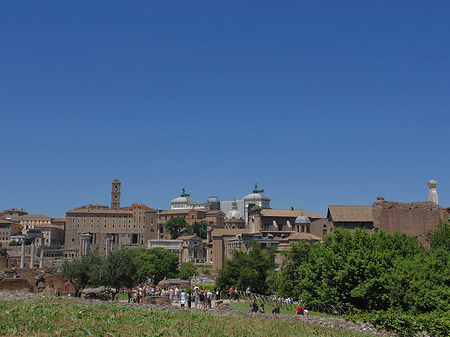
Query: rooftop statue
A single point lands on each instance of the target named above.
(184, 194)
(256, 189)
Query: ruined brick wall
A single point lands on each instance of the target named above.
(15, 284)
(417, 219)
(36, 280)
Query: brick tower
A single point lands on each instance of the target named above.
(115, 194)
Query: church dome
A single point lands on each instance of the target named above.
(256, 196)
(183, 200)
(234, 213)
(302, 219)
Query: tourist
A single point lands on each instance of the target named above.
(182, 298)
(254, 307)
(201, 299)
(299, 310)
(209, 298)
(217, 291)
(276, 310)
(231, 293)
(261, 309)
(189, 299)
(130, 295)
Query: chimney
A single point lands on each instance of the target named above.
(380, 198)
(292, 208)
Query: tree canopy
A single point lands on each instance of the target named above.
(248, 269)
(368, 271)
(157, 264)
(187, 269)
(122, 268)
(176, 227)
(83, 271)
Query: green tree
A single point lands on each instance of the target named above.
(362, 270)
(176, 226)
(119, 269)
(200, 229)
(248, 269)
(157, 264)
(187, 269)
(441, 236)
(81, 271)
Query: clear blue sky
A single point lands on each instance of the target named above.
(320, 102)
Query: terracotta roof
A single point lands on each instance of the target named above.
(230, 231)
(34, 217)
(301, 236)
(288, 213)
(175, 211)
(350, 213)
(15, 210)
(214, 212)
(99, 211)
(186, 237)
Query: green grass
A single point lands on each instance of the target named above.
(245, 306)
(70, 317)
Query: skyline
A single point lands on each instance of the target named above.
(321, 103)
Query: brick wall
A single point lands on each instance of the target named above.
(418, 219)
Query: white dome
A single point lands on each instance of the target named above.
(183, 200)
(234, 213)
(302, 219)
(256, 196)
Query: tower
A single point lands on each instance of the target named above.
(115, 194)
(432, 194)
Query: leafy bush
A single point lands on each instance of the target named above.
(436, 324)
(368, 271)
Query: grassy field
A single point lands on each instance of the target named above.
(245, 306)
(68, 317)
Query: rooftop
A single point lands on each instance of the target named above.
(350, 213)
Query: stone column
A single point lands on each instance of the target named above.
(87, 244)
(33, 247)
(107, 248)
(41, 260)
(22, 256)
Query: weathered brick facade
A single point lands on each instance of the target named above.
(417, 219)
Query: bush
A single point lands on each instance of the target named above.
(436, 324)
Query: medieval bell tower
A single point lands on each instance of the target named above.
(115, 194)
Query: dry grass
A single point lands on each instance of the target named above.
(68, 317)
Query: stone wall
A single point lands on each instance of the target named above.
(418, 219)
(36, 280)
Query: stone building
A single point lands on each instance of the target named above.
(234, 219)
(173, 246)
(351, 217)
(193, 249)
(212, 217)
(8, 228)
(417, 219)
(184, 202)
(120, 226)
(276, 221)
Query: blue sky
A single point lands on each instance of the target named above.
(320, 102)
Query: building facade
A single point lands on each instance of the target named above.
(122, 226)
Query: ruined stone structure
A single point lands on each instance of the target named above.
(432, 194)
(417, 219)
(35, 280)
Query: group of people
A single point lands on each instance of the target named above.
(201, 298)
(197, 298)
